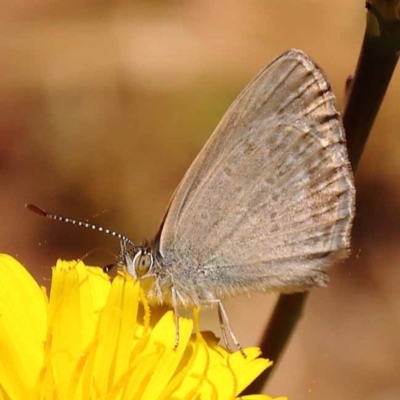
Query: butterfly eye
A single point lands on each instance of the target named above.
(142, 262)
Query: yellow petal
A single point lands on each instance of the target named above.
(192, 374)
(116, 332)
(23, 324)
(247, 369)
(73, 314)
(162, 341)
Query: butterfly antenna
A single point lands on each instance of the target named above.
(43, 213)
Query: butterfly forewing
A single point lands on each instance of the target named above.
(268, 203)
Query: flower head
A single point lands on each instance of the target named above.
(92, 339)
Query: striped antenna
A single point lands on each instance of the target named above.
(39, 211)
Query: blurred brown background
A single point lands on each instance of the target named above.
(103, 106)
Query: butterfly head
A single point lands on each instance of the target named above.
(138, 260)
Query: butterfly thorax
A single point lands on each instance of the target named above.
(157, 279)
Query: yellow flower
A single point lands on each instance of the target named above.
(92, 340)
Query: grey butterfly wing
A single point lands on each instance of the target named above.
(269, 201)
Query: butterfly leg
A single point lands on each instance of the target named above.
(223, 327)
(176, 313)
(226, 327)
